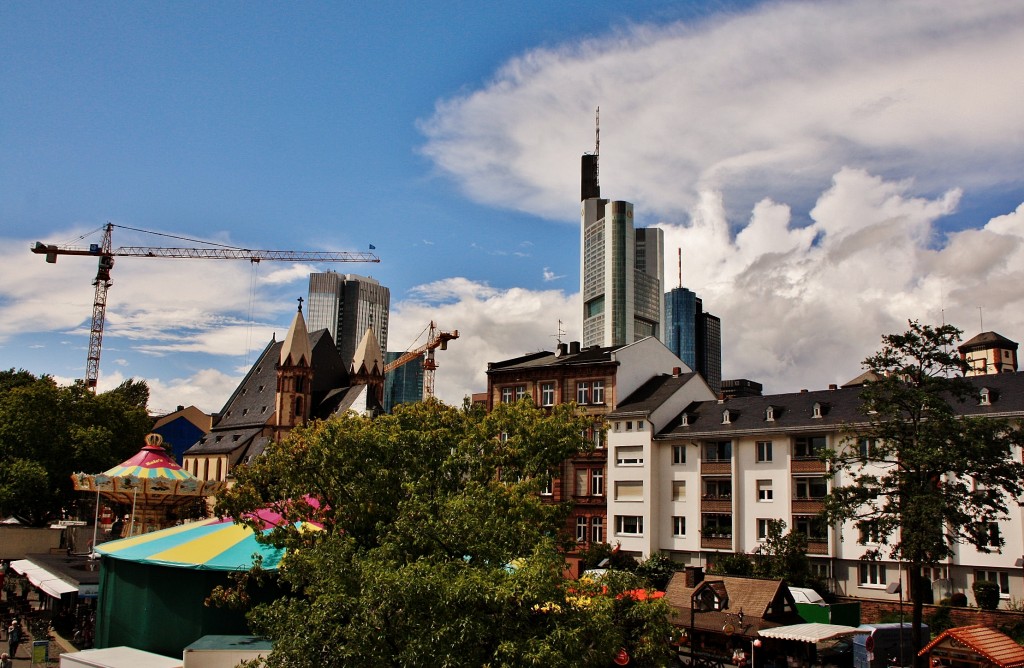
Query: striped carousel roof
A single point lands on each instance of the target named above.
(152, 461)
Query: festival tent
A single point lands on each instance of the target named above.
(153, 586)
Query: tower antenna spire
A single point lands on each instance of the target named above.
(597, 146)
(680, 266)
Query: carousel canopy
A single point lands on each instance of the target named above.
(813, 632)
(212, 544)
(151, 476)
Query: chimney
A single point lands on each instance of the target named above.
(181, 408)
(803, 391)
(693, 576)
(676, 371)
(574, 347)
(833, 386)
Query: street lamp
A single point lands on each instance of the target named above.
(897, 588)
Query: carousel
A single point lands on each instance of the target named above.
(152, 484)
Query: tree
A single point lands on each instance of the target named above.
(436, 546)
(49, 431)
(920, 476)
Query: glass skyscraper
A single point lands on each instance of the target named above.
(347, 305)
(693, 335)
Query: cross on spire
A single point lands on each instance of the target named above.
(300, 304)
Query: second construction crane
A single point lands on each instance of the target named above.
(435, 339)
(106, 254)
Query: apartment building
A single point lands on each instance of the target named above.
(594, 377)
(708, 479)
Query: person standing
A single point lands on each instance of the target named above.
(13, 637)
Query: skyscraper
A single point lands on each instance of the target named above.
(347, 305)
(694, 335)
(402, 385)
(621, 269)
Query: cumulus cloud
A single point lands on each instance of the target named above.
(766, 103)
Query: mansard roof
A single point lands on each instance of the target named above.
(838, 408)
(591, 355)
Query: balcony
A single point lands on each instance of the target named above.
(716, 541)
(716, 467)
(807, 466)
(817, 546)
(808, 506)
(716, 504)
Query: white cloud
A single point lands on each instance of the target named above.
(551, 276)
(768, 103)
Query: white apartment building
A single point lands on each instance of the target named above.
(694, 479)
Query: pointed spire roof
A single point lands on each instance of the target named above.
(368, 358)
(296, 346)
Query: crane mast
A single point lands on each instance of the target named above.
(435, 339)
(106, 254)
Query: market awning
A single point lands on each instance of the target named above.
(52, 584)
(812, 632)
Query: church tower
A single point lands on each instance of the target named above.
(294, 378)
(368, 367)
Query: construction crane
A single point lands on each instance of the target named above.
(106, 254)
(435, 339)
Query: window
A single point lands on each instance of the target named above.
(581, 529)
(629, 455)
(811, 526)
(718, 488)
(678, 526)
(717, 525)
(983, 398)
(629, 425)
(582, 393)
(769, 414)
(549, 488)
(818, 410)
(1001, 578)
(808, 447)
(506, 395)
(641, 425)
(868, 447)
(869, 533)
(629, 525)
(726, 417)
(764, 451)
(597, 392)
(718, 451)
(596, 529)
(988, 535)
(520, 392)
(762, 528)
(679, 490)
(872, 574)
(678, 454)
(810, 488)
(629, 490)
(589, 481)
(764, 490)
(821, 570)
(547, 394)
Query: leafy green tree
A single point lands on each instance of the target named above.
(48, 432)
(436, 547)
(920, 475)
(783, 555)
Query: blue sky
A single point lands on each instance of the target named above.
(829, 170)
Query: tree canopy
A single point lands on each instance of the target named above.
(920, 475)
(49, 431)
(436, 547)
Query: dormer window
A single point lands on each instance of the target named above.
(984, 397)
(684, 420)
(769, 414)
(817, 411)
(726, 417)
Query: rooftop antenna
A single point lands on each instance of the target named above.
(597, 146)
(680, 266)
(560, 333)
(981, 320)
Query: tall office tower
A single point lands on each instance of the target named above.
(621, 269)
(402, 385)
(347, 305)
(693, 335)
